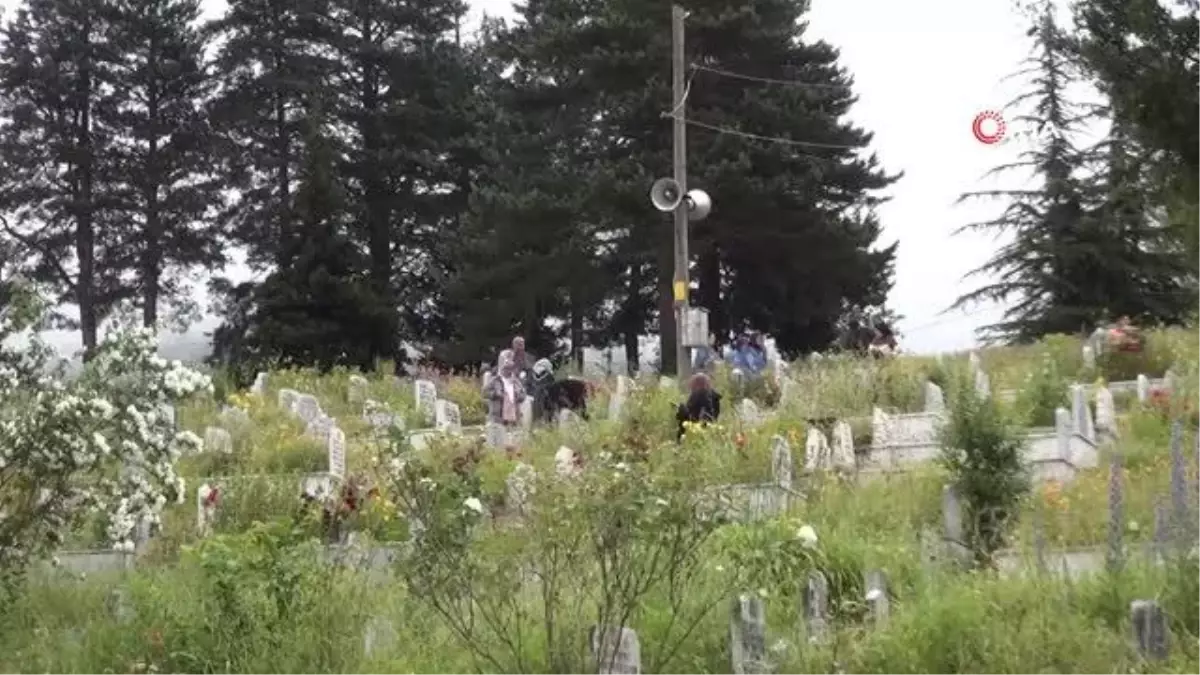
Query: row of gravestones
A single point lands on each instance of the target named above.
(1174, 534)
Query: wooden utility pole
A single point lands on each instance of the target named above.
(678, 67)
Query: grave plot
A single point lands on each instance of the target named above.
(235, 503)
(757, 501)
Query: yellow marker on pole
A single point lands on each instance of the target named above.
(680, 291)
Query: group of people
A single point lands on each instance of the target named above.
(518, 375)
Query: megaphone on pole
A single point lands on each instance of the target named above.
(699, 204)
(666, 196)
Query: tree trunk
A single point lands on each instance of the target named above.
(85, 236)
(152, 254)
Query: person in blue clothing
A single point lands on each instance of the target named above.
(747, 355)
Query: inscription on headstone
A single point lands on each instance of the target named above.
(616, 650)
(425, 394)
(337, 453)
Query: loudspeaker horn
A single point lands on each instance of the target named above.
(699, 204)
(665, 194)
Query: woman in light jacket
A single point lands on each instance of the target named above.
(504, 394)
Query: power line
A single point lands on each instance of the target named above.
(769, 139)
(767, 80)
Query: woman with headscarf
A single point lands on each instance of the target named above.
(702, 406)
(504, 394)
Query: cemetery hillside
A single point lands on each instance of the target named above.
(396, 336)
(1020, 509)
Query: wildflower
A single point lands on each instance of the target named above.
(473, 504)
(807, 536)
(660, 501)
(874, 594)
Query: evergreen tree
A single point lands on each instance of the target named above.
(164, 149)
(56, 112)
(1051, 259)
(401, 81)
(1142, 55)
(319, 310)
(528, 251)
(267, 69)
(1090, 244)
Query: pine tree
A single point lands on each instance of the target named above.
(56, 110)
(527, 252)
(165, 153)
(319, 310)
(400, 82)
(1049, 263)
(267, 69)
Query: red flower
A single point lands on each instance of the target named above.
(214, 495)
(740, 440)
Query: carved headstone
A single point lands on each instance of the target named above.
(816, 451)
(566, 462)
(307, 408)
(748, 412)
(1143, 388)
(337, 453)
(616, 403)
(318, 428)
(447, 416)
(842, 449)
(425, 395)
(259, 387)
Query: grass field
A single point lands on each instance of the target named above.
(630, 541)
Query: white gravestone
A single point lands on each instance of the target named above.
(782, 467)
(527, 413)
(567, 420)
(935, 399)
(748, 636)
(425, 393)
(495, 434)
(234, 417)
(983, 385)
(616, 404)
(357, 388)
(318, 428)
(287, 399)
(842, 450)
(1143, 388)
(1089, 357)
(447, 417)
(259, 387)
(748, 412)
(337, 453)
(816, 451)
(1106, 412)
(217, 439)
(308, 408)
(566, 462)
(379, 418)
(616, 650)
(1081, 412)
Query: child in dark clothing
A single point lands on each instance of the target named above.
(702, 406)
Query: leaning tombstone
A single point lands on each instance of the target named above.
(287, 399)
(1106, 413)
(782, 467)
(1149, 630)
(816, 451)
(748, 413)
(616, 650)
(748, 635)
(308, 408)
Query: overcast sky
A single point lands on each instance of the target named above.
(923, 70)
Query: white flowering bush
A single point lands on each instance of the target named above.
(104, 442)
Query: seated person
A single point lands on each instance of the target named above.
(702, 406)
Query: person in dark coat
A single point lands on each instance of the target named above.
(702, 406)
(541, 384)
